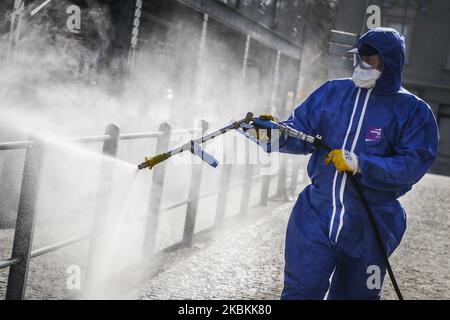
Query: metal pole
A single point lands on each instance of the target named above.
(15, 27)
(248, 166)
(156, 193)
(199, 78)
(202, 44)
(298, 85)
(265, 190)
(282, 177)
(194, 191)
(134, 35)
(23, 234)
(223, 195)
(110, 147)
(276, 81)
(294, 178)
(247, 188)
(246, 53)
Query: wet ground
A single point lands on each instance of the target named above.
(243, 261)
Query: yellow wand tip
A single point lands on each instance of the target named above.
(150, 162)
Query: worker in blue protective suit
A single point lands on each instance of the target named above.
(382, 134)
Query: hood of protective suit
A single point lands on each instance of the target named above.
(391, 46)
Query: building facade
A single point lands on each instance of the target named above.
(427, 71)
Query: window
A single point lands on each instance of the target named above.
(400, 15)
(404, 28)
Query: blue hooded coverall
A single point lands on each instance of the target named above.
(330, 245)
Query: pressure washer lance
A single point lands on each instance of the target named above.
(194, 145)
(317, 143)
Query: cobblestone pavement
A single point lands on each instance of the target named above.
(246, 261)
(242, 262)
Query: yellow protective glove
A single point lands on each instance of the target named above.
(270, 117)
(343, 160)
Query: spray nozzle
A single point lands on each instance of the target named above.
(150, 162)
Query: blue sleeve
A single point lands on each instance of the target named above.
(304, 119)
(413, 155)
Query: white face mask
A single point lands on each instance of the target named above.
(365, 76)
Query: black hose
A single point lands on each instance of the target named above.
(377, 234)
(319, 143)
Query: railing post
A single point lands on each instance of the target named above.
(223, 195)
(294, 178)
(110, 147)
(194, 191)
(247, 188)
(282, 177)
(24, 231)
(156, 192)
(265, 190)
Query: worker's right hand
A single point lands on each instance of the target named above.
(344, 161)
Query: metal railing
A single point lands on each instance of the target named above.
(26, 213)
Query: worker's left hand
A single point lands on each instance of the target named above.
(343, 160)
(264, 135)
